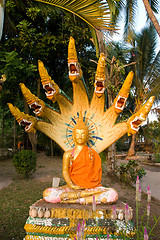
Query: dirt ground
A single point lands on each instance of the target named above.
(49, 167)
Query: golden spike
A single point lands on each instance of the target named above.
(34, 102)
(27, 93)
(45, 78)
(145, 109)
(120, 100)
(48, 84)
(72, 54)
(23, 119)
(100, 76)
(124, 91)
(75, 72)
(135, 121)
(15, 112)
(100, 73)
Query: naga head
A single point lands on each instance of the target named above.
(52, 89)
(120, 100)
(34, 102)
(135, 121)
(25, 120)
(75, 72)
(99, 85)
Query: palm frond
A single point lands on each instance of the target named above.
(146, 45)
(130, 14)
(155, 5)
(95, 40)
(95, 13)
(152, 79)
(154, 70)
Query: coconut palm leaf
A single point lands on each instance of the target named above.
(95, 13)
(147, 81)
(130, 10)
(154, 5)
(130, 14)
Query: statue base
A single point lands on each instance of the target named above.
(50, 221)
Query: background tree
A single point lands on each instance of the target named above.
(116, 64)
(129, 10)
(38, 35)
(152, 132)
(147, 68)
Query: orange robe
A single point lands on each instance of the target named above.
(86, 170)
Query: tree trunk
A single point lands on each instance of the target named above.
(110, 156)
(51, 148)
(131, 151)
(152, 16)
(33, 141)
(111, 151)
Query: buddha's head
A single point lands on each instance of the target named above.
(80, 132)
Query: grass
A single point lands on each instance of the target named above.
(15, 201)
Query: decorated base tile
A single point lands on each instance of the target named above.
(50, 221)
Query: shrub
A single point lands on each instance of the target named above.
(103, 156)
(157, 157)
(128, 172)
(25, 162)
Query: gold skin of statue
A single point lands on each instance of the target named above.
(74, 192)
(80, 140)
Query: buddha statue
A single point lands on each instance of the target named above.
(82, 172)
(81, 164)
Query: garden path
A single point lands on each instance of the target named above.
(152, 177)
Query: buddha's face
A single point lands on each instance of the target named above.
(80, 136)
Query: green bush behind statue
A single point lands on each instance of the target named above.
(25, 162)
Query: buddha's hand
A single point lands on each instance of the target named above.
(75, 187)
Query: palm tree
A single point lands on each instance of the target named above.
(95, 13)
(130, 8)
(151, 14)
(147, 70)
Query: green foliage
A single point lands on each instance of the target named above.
(128, 172)
(16, 71)
(25, 162)
(103, 156)
(122, 145)
(147, 69)
(152, 133)
(31, 34)
(157, 157)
